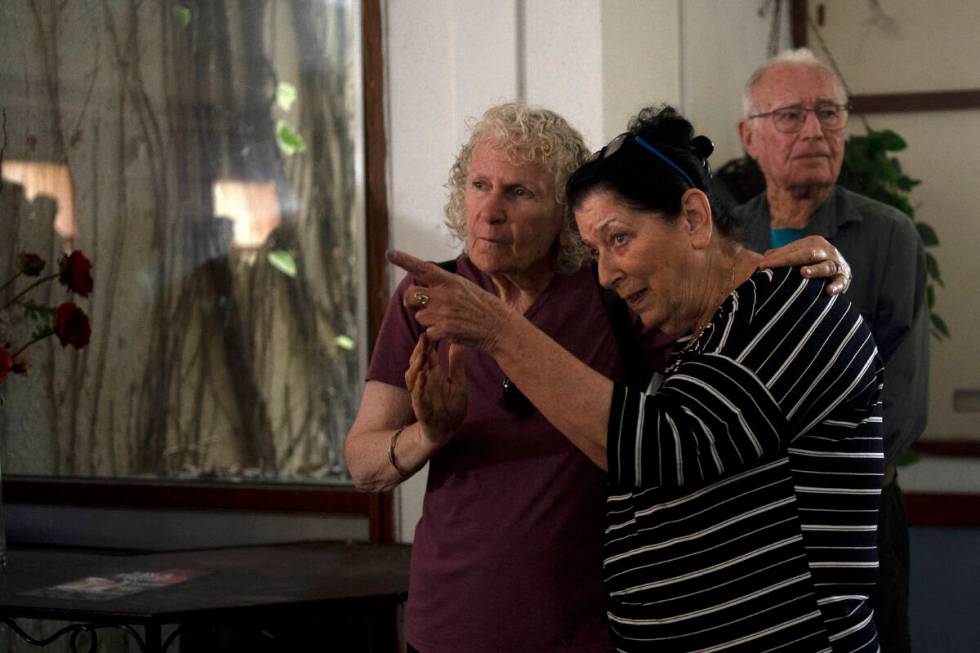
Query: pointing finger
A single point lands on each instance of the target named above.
(424, 271)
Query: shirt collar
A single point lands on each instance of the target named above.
(833, 213)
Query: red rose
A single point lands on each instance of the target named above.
(31, 264)
(6, 363)
(71, 326)
(76, 273)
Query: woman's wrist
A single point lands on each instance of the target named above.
(409, 449)
(431, 438)
(505, 333)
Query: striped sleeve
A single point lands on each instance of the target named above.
(711, 417)
(779, 360)
(744, 493)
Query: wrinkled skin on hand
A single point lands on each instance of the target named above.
(817, 258)
(438, 398)
(452, 308)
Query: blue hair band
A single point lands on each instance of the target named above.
(662, 157)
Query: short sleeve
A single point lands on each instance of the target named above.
(396, 340)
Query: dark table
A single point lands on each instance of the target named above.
(267, 589)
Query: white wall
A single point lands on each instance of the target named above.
(594, 61)
(597, 62)
(641, 57)
(721, 44)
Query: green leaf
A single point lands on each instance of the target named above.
(285, 95)
(927, 234)
(283, 261)
(930, 296)
(289, 141)
(345, 342)
(891, 141)
(932, 268)
(183, 15)
(38, 312)
(42, 331)
(907, 457)
(939, 324)
(896, 200)
(891, 171)
(906, 183)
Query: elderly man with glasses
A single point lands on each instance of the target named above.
(795, 111)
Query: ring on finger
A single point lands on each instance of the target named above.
(421, 297)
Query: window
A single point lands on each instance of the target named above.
(208, 158)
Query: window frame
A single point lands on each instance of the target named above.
(286, 498)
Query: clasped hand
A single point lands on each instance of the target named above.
(454, 310)
(438, 398)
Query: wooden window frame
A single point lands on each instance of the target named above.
(294, 498)
(867, 103)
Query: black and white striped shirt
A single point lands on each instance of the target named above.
(744, 493)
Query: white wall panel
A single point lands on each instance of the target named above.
(641, 63)
(563, 66)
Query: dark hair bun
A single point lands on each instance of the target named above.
(662, 124)
(645, 182)
(702, 146)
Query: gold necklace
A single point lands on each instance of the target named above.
(699, 331)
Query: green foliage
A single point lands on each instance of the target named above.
(285, 95)
(290, 142)
(283, 261)
(870, 169)
(907, 457)
(38, 312)
(345, 342)
(927, 234)
(183, 15)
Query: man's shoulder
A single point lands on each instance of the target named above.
(878, 216)
(866, 205)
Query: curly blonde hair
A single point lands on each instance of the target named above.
(528, 135)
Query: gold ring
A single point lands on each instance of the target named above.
(421, 297)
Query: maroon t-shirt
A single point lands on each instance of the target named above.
(508, 553)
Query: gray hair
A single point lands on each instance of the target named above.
(799, 57)
(528, 135)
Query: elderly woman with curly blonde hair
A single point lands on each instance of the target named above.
(507, 555)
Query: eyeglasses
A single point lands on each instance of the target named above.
(515, 401)
(617, 143)
(790, 120)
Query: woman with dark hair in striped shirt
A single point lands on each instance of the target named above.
(743, 485)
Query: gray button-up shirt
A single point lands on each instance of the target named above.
(889, 288)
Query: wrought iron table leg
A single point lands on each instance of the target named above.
(74, 633)
(152, 632)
